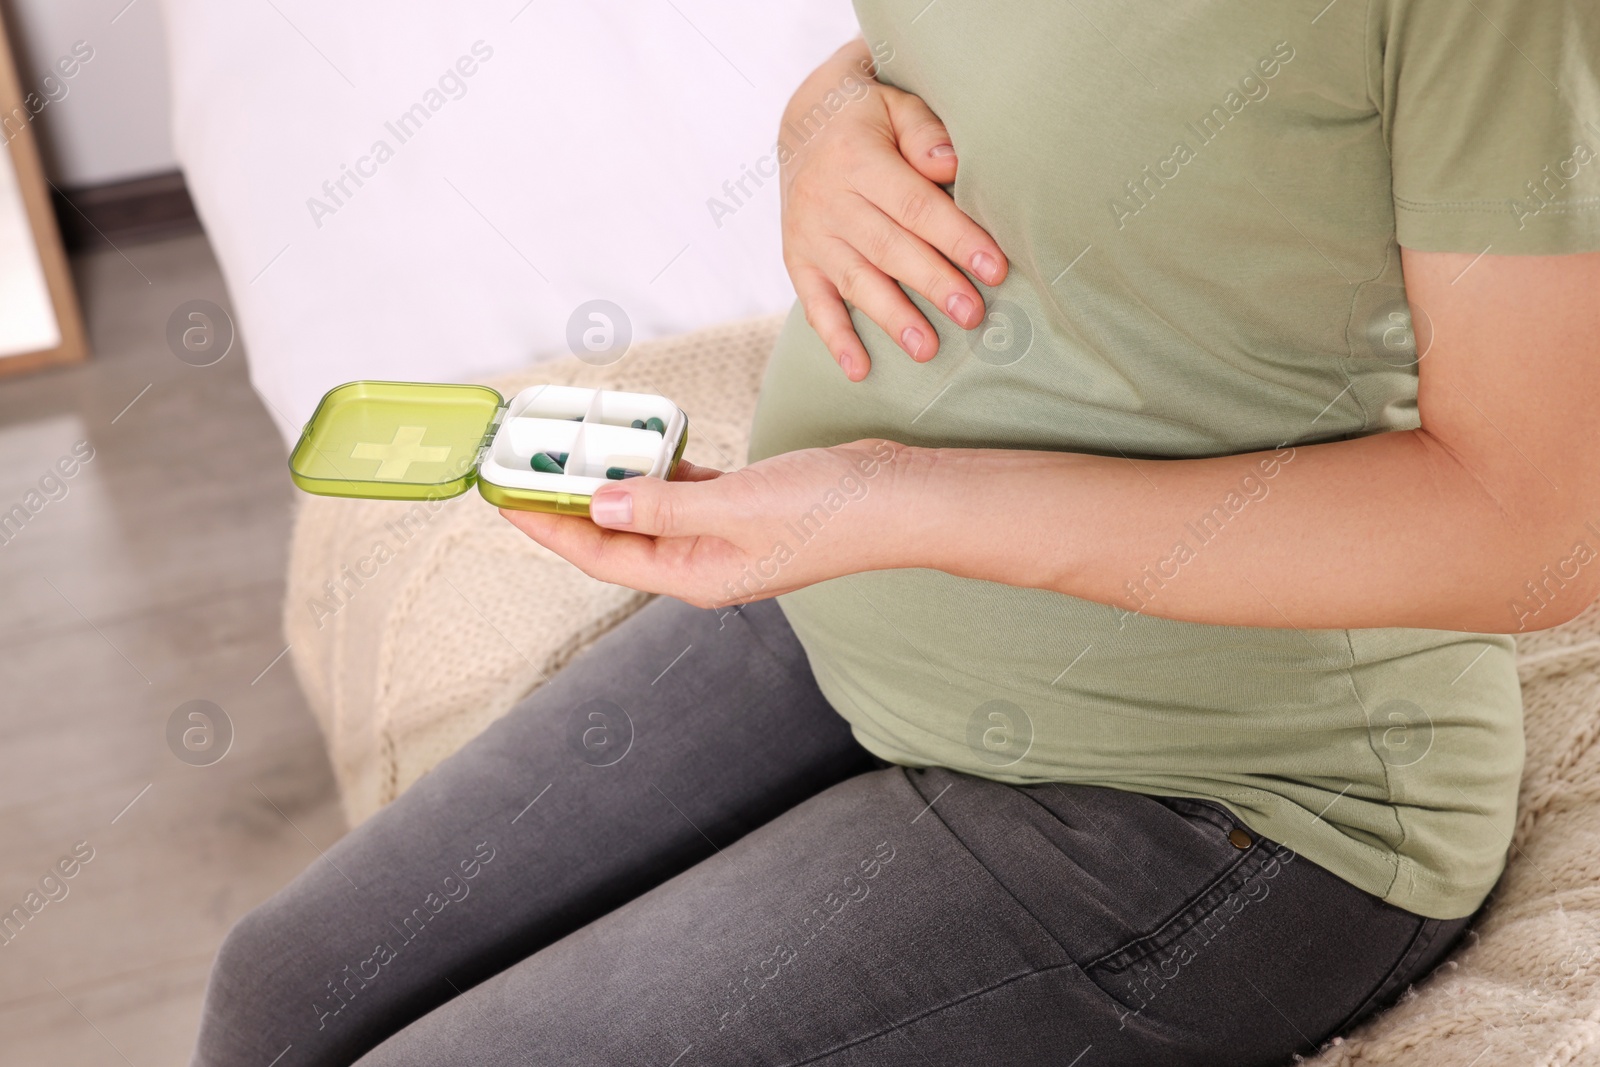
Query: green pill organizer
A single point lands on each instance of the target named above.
(419, 441)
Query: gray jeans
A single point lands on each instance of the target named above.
(675, 854)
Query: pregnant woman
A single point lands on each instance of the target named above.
(1187, 404)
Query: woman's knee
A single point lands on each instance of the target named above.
(250, 990)
(259, 935)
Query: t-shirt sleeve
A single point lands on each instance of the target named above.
(1491, 110)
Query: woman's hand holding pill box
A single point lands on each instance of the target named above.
(712, 538)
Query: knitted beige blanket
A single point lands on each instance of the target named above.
(413, 626)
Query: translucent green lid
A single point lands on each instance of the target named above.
(395, 440)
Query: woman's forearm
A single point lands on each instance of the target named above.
(1486, 519)
(1388, 530)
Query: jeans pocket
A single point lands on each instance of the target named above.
(1136, 973)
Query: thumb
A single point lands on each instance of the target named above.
(656, 507)
(921, 137)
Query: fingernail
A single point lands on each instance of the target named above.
(986, 267)
(851, 362)
(960, 307)
(911, 341)
(939, 151)
(612, 509)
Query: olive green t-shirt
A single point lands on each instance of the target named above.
(1203, 206)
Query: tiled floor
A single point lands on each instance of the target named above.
(155, 580)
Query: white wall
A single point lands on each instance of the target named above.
(112, 122)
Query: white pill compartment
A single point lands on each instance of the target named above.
(589, 432)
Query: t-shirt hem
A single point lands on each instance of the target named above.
(1394, 879)
(1563, 228)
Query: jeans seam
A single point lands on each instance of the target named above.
(1061, 787)
(1123, 957)
(1426, 933)
(928, 1013)
(1209, 811)
(1068, 959)
(1216, 816)
(985, 868)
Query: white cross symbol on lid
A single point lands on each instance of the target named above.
(396, 457)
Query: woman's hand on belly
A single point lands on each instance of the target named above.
(715, 539)
(863, 211)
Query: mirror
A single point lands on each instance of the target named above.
(39, 321)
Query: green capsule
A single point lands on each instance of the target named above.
(616, 474)
(655, 424)
(638, 424)
(545, 464)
